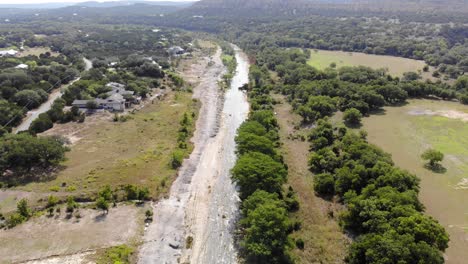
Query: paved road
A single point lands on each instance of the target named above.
(54, 95)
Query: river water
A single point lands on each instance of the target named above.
(215, 241)
(203, 201)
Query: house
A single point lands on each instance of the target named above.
(175, 50)
(22, 66)
(112, 103)
(8, 53)
(117, 99)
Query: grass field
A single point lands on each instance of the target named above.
(37, 51)
(396, 66)
(406, 132)
(323, 238)
(137, 151)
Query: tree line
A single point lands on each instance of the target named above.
(383, 212)
(261, 174)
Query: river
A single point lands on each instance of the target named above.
(203, 202)
(54, 95)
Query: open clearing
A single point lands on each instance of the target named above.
(43, 237)
(137, 151)
(36, 51)
(406, 132)
(396, 66)
(324, 240)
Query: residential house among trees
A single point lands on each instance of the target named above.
(118, 99)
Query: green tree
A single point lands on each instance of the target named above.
(433, 156)
(71, 204)
(23, 208)
(352, 117)
(52, 201)
(106, 193)
(266, 232)
(258, 171)
(247, 142)
(324, 184)
(101, 203)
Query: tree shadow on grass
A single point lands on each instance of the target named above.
(353, 125)
(436, 168)
(37, 174)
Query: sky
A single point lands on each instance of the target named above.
(65, 1)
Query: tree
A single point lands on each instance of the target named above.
(143, 194)
(247, 142)
(149, 215)
(92, 105)
(23, 208)
(102, 204)
(433, 156)
(23, 152)
(266, 232)
(352, 117)
(255, 171)
(41, 124)
(106, 193)
(324, 184)
(71, 204)
(52, 201)
(29, 98)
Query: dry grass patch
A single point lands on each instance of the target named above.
(137, 151)
(396, 66)
(36, 51)
(322, 236)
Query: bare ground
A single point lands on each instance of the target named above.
(203, 201)
(165, 237)
(60, 239)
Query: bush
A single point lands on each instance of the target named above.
(52, 201)
(324, 184)
(41, 124)
(300, 243)
(14, 220)
(71, 204)
(352, 117)
(176, 159)
(433, 156)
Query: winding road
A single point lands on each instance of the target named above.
(54, 95)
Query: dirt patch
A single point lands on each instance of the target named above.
(462, 185)
(44, 237)
(452, 114)
(73, 131)
(80, 258)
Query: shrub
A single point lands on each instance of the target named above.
(177, 159)
(324, 184)
(352, 117)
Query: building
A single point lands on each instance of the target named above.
(8, 53)
(22, 66)
(176, 50)
(118, 99)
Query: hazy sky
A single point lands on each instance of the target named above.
(62, 1)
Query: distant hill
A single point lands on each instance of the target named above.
(255, 8)
(95, 4)
(132, 2)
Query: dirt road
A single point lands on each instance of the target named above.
(203, 202)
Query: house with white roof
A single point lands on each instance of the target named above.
(8, 53)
